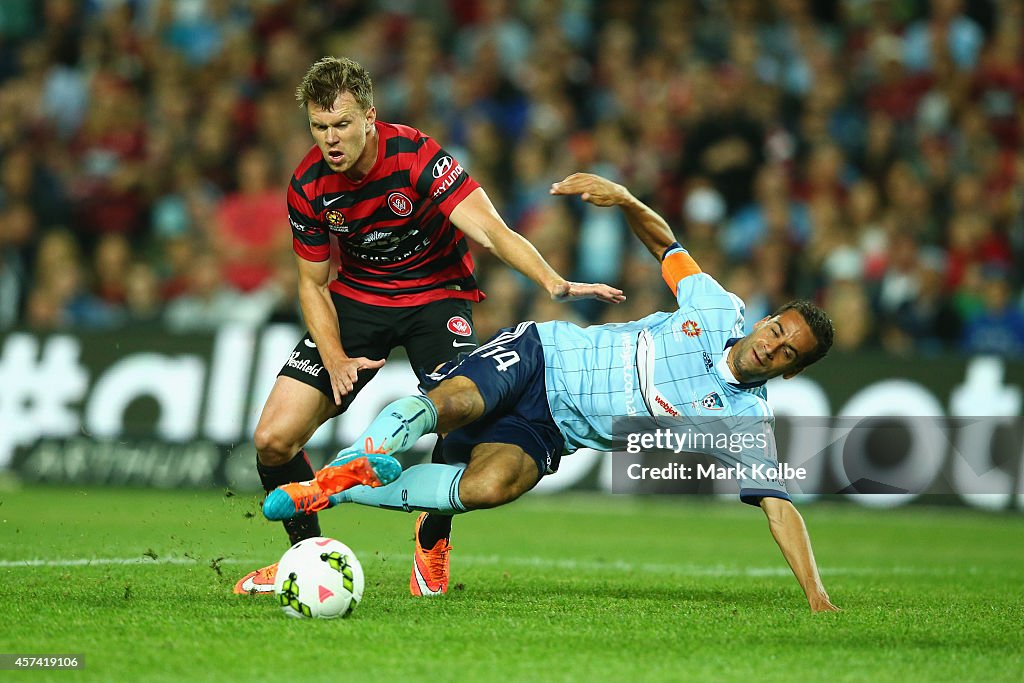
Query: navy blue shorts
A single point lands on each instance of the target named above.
(509, 372)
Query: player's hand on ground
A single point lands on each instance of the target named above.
(592, 188)
(573, 291)
(823, 604)
(344, 373)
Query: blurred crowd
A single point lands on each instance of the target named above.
(865, 154)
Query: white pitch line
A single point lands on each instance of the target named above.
(86, 562)
(620, 566)
(568, 564)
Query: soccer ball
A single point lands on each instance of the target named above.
(319, 578)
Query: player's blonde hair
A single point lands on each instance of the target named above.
(332, 76)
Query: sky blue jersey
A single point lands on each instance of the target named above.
(669, 365)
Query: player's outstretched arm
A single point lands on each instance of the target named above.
(322, 321)
(647, 225)
(787, 526)
(476, 216)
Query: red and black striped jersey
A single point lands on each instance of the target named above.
(398, 246)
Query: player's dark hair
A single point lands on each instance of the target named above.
(821, 327)
(332, 76)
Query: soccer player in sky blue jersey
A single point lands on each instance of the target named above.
(537, 391)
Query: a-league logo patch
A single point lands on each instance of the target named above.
(336, 221)
(460, 326)
(708, 363)
(691, 328)
(400, 204)
(712, 401)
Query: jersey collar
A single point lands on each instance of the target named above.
(722, 366)
(378, 126)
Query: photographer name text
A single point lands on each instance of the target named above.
(680, 472)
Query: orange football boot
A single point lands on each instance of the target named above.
(259, 582)
(297, 498)
(429, 567)
(369, 466)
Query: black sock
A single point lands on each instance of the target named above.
(436, 526)
(296, 469)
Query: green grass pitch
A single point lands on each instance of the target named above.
(581, 587)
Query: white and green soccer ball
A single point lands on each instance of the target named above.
(319, 578)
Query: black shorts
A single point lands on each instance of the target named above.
(508, 370)
(431, 334)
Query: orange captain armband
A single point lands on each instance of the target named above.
(677, 265)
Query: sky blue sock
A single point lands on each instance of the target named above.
(430, 488)
(400, 424)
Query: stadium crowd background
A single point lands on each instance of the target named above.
(868, 155)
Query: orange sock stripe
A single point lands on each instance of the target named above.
(677, 266)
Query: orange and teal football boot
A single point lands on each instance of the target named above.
(352, 467)
(369, 466)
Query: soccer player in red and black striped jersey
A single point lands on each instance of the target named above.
(400, 209)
